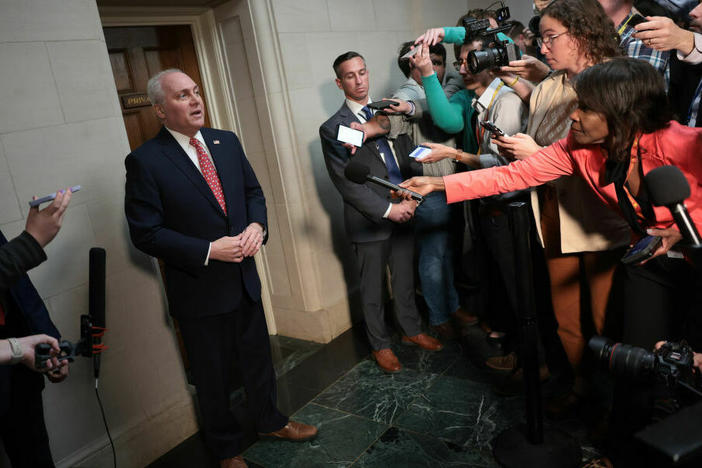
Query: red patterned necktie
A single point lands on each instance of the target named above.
(208, 171)
(2, 315)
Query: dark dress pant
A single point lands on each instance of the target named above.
(397, 252)
(216, 346)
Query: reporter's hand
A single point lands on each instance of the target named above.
(438, 152)
(227, 249)
(402, 106)
(422, 60)
(403, 211)
(669, 237)
(431, 36)
(527, 67)
(422, 185)
(662, 33)
(28, 343)
(43, 225)
(251, 239)
(519, 146)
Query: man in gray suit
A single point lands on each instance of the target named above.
(376, 224)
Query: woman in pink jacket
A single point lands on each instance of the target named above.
(621, 130)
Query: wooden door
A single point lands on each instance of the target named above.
(139, 52)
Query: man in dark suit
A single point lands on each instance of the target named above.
(193, 200)
(376, 224)
(23, 313)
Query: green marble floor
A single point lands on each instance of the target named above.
(439, 411)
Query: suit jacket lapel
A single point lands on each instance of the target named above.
(175, 153)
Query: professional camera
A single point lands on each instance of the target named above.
(494, 53)
(673, 362)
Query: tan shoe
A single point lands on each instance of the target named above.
(294, 431)
(464, 318)
(387, 360)
(236, 462)
(424, 341)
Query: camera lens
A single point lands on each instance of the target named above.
(479, 60)
(621, 359)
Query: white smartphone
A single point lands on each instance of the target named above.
(411, 53)
(50, 197)
(419, 152)
(349, 135)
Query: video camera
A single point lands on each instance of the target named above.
(673, 363)
(494, 53)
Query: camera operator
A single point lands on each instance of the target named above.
(685, 91)
(22, 313)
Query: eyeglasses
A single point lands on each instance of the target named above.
(457, 64)
(548, 40)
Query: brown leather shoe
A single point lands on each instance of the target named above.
(445, 330)
(424, 341)
(236, 462)
(464, 318)
(294, 431)
(387, 360)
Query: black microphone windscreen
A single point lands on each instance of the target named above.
(356, 172)
(667, 186)
(96, 287)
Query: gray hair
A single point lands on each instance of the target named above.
(154, 89)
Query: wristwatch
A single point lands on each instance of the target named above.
(16, 350)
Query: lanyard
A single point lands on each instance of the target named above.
(623, 26)
(637, 208)
(479, 129)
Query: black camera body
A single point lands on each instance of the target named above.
(672, 363)
(494, 53)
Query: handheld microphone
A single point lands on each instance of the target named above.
(668, 187)
(360, 173)
(96, 303)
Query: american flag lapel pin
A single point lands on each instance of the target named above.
(216, 142)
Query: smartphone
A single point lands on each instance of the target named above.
(50, 197)
(636, 19)
(411, 53)
(419, 152)
(491, 127)
(379, 105)
(349, 135)
(642, 250)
